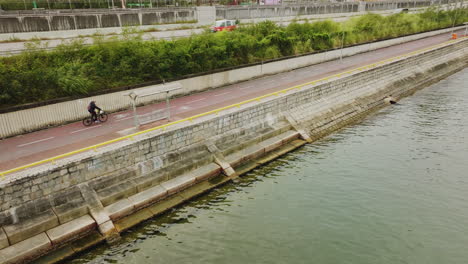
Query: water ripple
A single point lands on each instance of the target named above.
(392, 189)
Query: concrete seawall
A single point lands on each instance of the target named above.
(90, 197)
(19, 122)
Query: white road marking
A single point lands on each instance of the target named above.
(221, 94)
(120, 116)
(37, 141)
(195, 101)
(83, 129)
(125, 118)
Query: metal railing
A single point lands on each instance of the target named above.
(77, 5)
(217, 111)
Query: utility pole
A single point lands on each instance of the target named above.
(342, 44)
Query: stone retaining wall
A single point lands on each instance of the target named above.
(19, 122)
(84, 199)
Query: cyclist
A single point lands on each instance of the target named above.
(92, 110)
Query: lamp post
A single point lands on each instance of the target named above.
(455, 16)
(466, 28)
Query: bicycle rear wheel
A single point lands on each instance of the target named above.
(87, 121)
(103, 117)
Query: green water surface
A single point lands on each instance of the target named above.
(392, 189)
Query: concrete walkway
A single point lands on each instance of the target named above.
(28, 148)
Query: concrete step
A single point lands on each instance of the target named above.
(261, 147)
(241, 141)
(3, 239)
(267, 157)
(25, 250)
(132, 203)
(28, 228)
(68, 231)
(116, 192)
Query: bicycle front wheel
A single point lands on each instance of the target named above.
(103, 117)
(87, 121)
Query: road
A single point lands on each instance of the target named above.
(28, 148)
(16, 47)
(10, 46)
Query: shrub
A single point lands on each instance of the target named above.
(73, 69)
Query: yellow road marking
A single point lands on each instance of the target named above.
(216, 111)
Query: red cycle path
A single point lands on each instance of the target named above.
(25, 149)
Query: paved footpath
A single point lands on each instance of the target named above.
(28, 148)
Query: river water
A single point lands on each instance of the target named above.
(391, 189)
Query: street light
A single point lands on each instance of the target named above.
(466, 27)
(455, 16)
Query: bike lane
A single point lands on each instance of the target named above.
(25, 149)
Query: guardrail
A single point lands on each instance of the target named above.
(238, 105)
(6, 53)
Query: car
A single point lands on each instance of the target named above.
(224, 25)
(401, 10)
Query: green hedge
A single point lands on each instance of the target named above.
(77, 70)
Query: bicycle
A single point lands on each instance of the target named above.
(101, 116)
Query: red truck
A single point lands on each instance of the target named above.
(224, 25)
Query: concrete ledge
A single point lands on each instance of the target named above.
(99, 215)
(3, 239)
(290, 136)
(107, 230)
(280, 151)
(119, 209)
(56, 256)
(91, 239)
(252, 152)
(200, 188)
(133, 219)
(258, 149)
(71, 211)
(235, 159)
(148, 197)
(178, 184)
(206, 172)
(30, 228)
(272, 143)
(166, 204)
(26, 250)
(154, 178)
(70, 230)
(116, 192)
